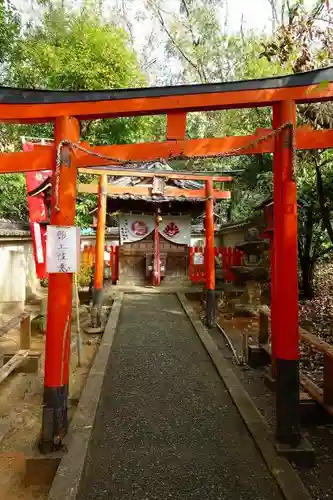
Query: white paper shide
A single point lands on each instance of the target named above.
(62, 249)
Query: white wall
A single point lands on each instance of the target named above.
(229, 239)
(200, 241)
(18, 278)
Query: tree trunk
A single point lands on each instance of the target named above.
(307, 279)
(322, 203)
(306, 259)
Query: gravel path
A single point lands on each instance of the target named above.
(166, 426)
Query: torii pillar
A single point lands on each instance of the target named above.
(59, 303)
(99, 264)
(210, 256)
(285, 328)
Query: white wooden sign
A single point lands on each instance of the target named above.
(198, 259)
(62, 249)
(38, 242)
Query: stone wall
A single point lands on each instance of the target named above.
(18, 280)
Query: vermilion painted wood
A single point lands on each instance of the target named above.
(305, 139)
(59, 305)
(39, 113)
(41, 158)
(100, 233)
(115, 263)
(228, 257)
(88, 254)
(176, 126)
(209, 233)
(277, 205)
(285, 244)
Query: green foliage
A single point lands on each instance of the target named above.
(84, 275)
(9, 30)
(76, 50)
(13, 205)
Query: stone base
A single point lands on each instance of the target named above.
(29, 365)
(94, 329)
(303, 455)
(41, 469)
(257, 356)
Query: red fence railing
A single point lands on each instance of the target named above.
(228, 257)
(88, 258)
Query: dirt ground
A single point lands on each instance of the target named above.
(319, 479)
(241, 330)
(21, 405)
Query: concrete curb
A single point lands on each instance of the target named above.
(67, 480)
(286, 477)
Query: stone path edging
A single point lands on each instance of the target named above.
(67, 479)
(287, 478)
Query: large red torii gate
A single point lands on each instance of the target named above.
(65, 109)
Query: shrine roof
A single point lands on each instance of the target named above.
(130, 181)
(11, 229)
(9, 95)
(154, 166)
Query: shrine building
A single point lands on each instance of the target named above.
(154, 217)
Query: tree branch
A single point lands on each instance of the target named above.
(176, 45)
(195, 42)
(325, 213)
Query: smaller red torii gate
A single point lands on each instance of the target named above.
(207, 193)
(66, 109)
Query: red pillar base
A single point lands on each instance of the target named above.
(211, 308)
(55, 420)
(287, 402)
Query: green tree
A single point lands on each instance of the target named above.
(9, 29)
(205, 52)
(76, 50)
(13, 201)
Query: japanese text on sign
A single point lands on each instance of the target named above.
(62, 249)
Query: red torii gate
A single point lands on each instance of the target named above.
(66, 109)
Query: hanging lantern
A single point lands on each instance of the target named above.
(158, 186)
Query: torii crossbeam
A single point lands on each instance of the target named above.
(65, 109)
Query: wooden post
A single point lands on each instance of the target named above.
(285, 290)
(274, 303)
(275, 316)
(25, 332)
(59, 306)
(210, 256)
(100, 244)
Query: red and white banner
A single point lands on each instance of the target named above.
(176, 229)
(173, 228)
(134, 227)
(37, 213)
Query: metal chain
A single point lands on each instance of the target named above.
(232, 152)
